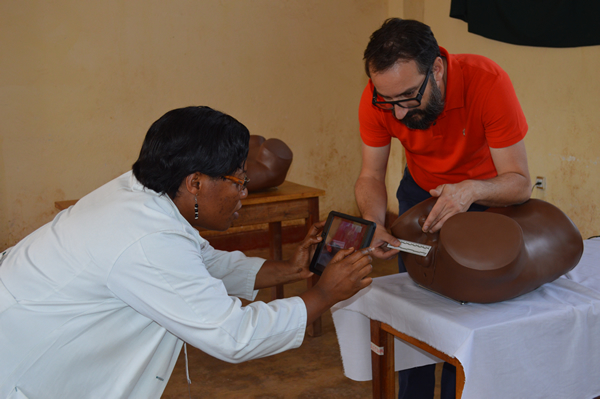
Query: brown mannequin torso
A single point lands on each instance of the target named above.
(494, 255)
(268, 163)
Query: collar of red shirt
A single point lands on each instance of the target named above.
(455, 86)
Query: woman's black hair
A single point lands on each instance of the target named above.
(188, 140)
(401, 39)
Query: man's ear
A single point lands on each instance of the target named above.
(193, 182)
(438, 69)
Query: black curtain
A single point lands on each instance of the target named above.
(542, 23)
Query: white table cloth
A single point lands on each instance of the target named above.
(544, 344)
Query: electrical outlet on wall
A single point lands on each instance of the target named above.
(540, 182)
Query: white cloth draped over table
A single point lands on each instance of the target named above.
(95, 304)
(544, 344)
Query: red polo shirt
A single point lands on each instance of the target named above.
(481, 111)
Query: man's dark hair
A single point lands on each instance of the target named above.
(401, 39)
(188, 140)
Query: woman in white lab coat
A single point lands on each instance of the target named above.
(98, 302)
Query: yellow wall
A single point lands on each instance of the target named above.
(81, 82)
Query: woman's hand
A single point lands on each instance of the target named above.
(305, 251)
(282, 272)
(344, 276)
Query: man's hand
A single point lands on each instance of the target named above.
(510, 187)
(381, 239)
(452, 199)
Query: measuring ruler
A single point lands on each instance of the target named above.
(412, 248)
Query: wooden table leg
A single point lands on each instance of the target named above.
(391, 333)
(460, 379)
(382, 362)
(276, 253)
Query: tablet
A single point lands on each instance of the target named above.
(340, 232)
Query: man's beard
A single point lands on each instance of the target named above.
(423, 118)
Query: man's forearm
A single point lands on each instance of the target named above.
(504, 190)
(371, 198)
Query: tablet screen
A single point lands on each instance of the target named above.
(341, 232)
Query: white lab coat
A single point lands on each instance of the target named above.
(95, 304)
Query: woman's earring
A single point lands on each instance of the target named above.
(196, 208)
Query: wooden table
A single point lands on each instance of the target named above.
(382, 360)
(289, 201)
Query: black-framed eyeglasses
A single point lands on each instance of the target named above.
(408, 103)
(242, 183)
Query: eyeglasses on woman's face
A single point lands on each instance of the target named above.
(241, 183)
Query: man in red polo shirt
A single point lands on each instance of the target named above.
(461, 126)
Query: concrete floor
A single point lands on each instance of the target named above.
(312, 371)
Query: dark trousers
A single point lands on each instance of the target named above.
(419, 382)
